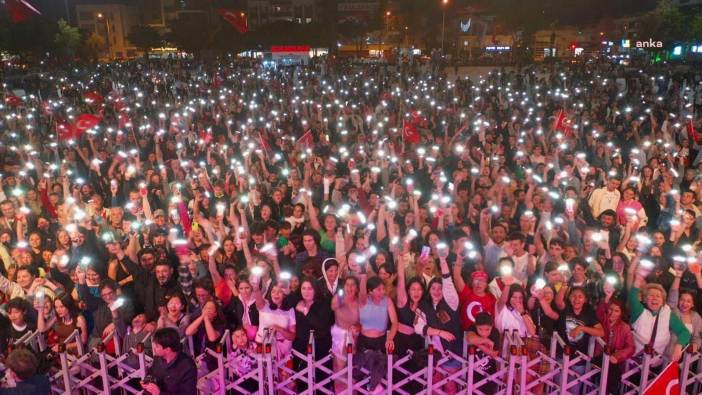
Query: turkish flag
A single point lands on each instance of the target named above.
(307, 140)
(410, 133)
(20, 10)
(236, 18)
(560, 120)
(13, 101)
(667, 382)
(85, 122)
(93, 98)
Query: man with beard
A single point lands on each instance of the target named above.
(150, 287)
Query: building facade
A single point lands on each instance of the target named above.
(112, 22)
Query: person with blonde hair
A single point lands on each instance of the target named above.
(653, 320)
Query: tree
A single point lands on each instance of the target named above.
(67, 39)
(145, 37)
(94, 43)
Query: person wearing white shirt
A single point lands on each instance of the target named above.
(606, 198)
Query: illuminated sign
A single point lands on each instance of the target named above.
(290, 48)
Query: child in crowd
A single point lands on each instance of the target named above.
(486, 338)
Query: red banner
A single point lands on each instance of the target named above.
(20, 10)
(667, 382)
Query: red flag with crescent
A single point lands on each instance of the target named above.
(307, 140)
(85, 122)
(410, 133)
(667, 382)
(560, 119)
(236, 18)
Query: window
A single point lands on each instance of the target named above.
(84, 16)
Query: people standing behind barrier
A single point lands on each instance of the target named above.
(347, 326)
(242, 308)
(312, 316)
(378, 319)
(64, 321)
(653, 321)
(174, 315)
(474, 298)
(577, 323)
(274, 322)
(512, 315)
(618, 339)
(111, 312)
(173, 371)
(682, 302)
(411, 299)
(15, 325)
(440, 317)
(242, 358)
(486, 338)
(206, 330)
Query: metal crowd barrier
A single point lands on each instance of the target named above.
(516, 370)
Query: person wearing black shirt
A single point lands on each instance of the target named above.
(576, 324)
(16, 326)
(173, 372)
(486, 338)
(151, 288)
(312, 314)
(22, 366)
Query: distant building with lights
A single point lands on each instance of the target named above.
(261, 12)
(112, 22)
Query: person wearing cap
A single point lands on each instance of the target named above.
(474, 298)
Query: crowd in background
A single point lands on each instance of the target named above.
(385, 206)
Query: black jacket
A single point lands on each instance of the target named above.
(148, 291)
(176, 378)
(35, 385)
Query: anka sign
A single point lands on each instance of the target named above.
(649, 44)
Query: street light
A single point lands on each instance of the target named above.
(382, 34)
(100, 16)
(443, 24)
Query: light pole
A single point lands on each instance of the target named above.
(382, 33)
(100, 16)
(443, 24)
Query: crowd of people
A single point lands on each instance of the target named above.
(378, 205)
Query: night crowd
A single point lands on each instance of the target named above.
(388, 207)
